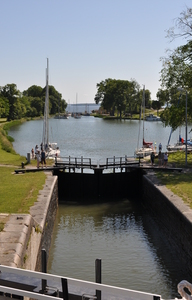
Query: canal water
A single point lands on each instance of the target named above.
(134, 253)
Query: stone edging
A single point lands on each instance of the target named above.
(22, 235)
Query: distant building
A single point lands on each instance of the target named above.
(82, 108)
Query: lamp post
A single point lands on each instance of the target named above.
(182, 90)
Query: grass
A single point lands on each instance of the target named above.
(17, 192)
(178, 159)
(179, 183)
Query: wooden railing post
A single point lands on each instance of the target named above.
(43, 268)
(98, 276)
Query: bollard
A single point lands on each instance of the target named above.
(43, 268)
(22, 165)
(28, 158)
(98, 276)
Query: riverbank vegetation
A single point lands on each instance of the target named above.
(15, 105)
(123, 98)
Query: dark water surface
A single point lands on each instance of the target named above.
(134, 253)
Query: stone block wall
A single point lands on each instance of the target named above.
(173, 216)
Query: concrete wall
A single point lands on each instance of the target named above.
(173, 216)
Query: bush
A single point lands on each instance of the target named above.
(5, 142)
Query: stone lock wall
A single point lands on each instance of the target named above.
(173, 216)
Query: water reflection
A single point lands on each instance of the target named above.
(133, 252)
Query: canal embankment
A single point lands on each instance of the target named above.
(24, 235)
(173, 216)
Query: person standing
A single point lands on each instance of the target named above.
(160, 158)
(165, 159)
(160, 147)
(152, 158)
(32, 153)
(38, 157)
(43, 161)
(36, 151)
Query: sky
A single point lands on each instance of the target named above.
(86, 41)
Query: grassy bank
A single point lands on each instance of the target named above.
(17, 192)
(179, 183)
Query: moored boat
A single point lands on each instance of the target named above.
(147, 147)
(51, 149)
(151, 117)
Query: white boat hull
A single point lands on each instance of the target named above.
(143, 152)
(178, 147)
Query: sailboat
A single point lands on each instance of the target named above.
(51, 149)
(180, 144)
(147, 147)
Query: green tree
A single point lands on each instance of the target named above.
(177, 72)
(10, 92)
(120, 95)
(37, 105)
(4, 107)
(33, 91)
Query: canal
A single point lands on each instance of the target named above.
(134, 253)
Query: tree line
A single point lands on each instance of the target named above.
(30, 103)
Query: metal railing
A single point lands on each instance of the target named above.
(86, 163)
(82, 287)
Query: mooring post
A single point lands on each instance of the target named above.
(114, 164)
(81, 164)
(43, 268)
(69, 165)
(98, 276)
(65, 288)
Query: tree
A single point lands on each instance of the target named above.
(120, 95)
(4, 107)
(10, 92)
(177, 72)
(33, 91)
(183, 25)
(37, 105)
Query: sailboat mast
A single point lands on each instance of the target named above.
(47, 92)
(143, 111)
(46, 110)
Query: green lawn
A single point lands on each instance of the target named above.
(18, 192)
(179, 183)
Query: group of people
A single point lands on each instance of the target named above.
(39, 155)
(162, 157)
